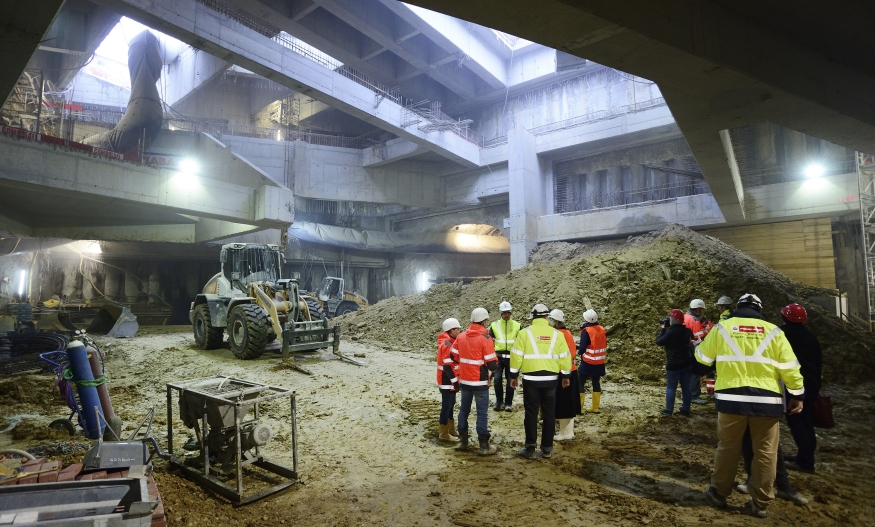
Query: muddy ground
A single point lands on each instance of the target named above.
(369, 456)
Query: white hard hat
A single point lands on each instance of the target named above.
(750, 298)
(591, 316)
(724, 301)
(540, 310)
(451, 323)
(504, 307)
(479, 315)
(697, 304)
(557, 315)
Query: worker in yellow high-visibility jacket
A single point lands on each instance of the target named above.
(753, 358)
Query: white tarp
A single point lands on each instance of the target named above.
(399, 242)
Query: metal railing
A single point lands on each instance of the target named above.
(569, 201)
(599, 115)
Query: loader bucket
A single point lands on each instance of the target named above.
(57, 321)
(114, 320)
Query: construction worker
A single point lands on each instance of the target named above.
(541, 355)
(808, 352)
(695, 320)
(593, 351)
(476, 359)
(448, 378)
(724, 306)
(752, 358)
(503, 332)
(567, 399)
(675, 338)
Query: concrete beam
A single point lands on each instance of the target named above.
(24, 24)
(190, 72)
(202, 27)
(394, 150)
(121, 233)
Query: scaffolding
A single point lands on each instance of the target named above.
(866, 178)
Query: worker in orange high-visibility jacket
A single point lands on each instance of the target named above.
(695, 320)
(448, 378)
(476, 359)
(593, 352)
(541, 355)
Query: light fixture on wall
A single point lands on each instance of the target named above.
(186, 172)
(21, 281)
(814, 170)
(423, 281)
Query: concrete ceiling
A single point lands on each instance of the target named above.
(23, 27)
(720, 64)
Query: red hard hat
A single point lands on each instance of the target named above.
(794, 313)
(677, 314)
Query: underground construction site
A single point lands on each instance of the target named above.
(238, 236)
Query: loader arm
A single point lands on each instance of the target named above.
(267, 304)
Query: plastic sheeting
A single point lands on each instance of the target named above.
(144, 114)
(399, 242)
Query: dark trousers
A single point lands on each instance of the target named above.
(503, 372)
(782, 479)
(596, 382)
(535, 397)
(448, 402)
(802, 428)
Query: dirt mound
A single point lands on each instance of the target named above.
(631, 285)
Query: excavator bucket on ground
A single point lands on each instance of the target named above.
(114, 320)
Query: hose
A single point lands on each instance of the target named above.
(17, 452)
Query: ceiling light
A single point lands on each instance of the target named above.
(189, 166)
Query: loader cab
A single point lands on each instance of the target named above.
(331, 289)
(245, 263)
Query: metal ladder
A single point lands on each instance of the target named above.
(866, 179)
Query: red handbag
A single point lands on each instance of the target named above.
(823, 413)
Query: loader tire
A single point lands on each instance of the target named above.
(206, 336)
(248, 327)
(346, 307)
(316, 312)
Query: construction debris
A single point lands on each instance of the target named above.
(631, 285)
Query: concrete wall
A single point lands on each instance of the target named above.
(474, 186)
(406, 268)
(91, 90)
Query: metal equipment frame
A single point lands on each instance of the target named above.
(866, 178)
(208, 476)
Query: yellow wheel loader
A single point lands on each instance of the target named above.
(335, 300)
(250, 299)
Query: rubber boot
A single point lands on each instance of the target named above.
(451, 428)
(596, 400)
(566, 430)
(485, 448)
(582, 403)
(445, 435)
(463, 440)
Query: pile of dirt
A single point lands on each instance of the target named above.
(631, 286)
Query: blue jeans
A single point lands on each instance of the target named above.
(481, 400)
(448, 402)
(685, 377)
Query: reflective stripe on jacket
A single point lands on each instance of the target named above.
(540, 354)
(695, 326)
(597, 349)
(752, 356)
(447, 363)
(504, 332)
(476, 357)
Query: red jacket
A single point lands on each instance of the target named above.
(447, 363)
(700, 329)
(476, 357)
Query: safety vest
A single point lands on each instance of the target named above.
(695, 326)
(752, 357)
(597, 350)
(725, 314)
(447, 363)
(505, 332)
(476, 351)
(572, 347)
(540, 353)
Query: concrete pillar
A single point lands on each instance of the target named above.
(527, 195)
(192, 284)
(593, 189)
(87, 288)
(154, 288)
(615, 184)
(71, 280)
(132, 289)
(795, 149)
(111, 283)
(639, 181)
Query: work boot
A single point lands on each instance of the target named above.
(596, 401)
(742, 488)
(750, 508)
(565, 431)
(714, 499)
(792, 465)
(528, 452)
(463, 440)
(485, 448)
(498, 406)
(791, 496)
(582, 403)
(547, 453)
(451, 428)
(699, 400)
(508, 407)
(445, 435)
